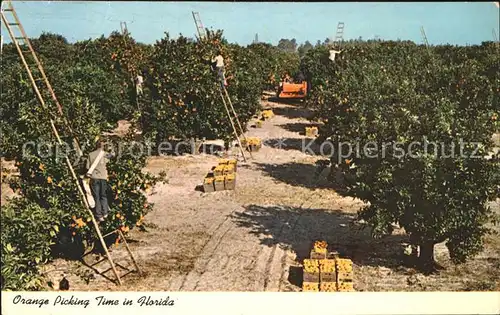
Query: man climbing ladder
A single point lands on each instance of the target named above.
(98, 173)
(219, 67)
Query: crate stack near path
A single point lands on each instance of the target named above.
(222, 176)
(252, 144)
(311, 132)
(326, 272)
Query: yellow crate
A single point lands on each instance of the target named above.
(310, 287)
(230, 181)
(311, 265)
(233, 162)
(268, 113)
(219, 170)
(345, 287)
(223, 161)
(327, 265)
(343, 265)
(328, 287)
(258, 124)
(208, 184)
(320, 246)
(228, 169)
(219, 183)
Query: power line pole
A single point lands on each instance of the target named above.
(256, 40)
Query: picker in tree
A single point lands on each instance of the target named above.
(98, 173)
(219, 67)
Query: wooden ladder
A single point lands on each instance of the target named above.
(32, 64)
(226, 99)
(339, 35)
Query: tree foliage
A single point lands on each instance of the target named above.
(405, 98)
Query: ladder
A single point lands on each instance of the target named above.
(30, 59)
(339, 35)
(199, 25)
(25, 50)
(424, 37)
(223, 93)
(226, 99)
(123, 27)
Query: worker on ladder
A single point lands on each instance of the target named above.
(334, 53)
(219, 67)
(139, 80)
(98, 174)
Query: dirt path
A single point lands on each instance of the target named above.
(255, 237)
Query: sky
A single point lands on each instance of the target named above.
(457, 23)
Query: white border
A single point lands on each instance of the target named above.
(260, 303)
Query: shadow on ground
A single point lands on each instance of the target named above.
(306, 145)
(297, 174)
(293, 112)
(298, 127)
(296, 229)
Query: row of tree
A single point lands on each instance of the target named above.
(424, 120)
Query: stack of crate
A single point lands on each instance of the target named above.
(222, 176)
(344, 275)
(326, 272)
(252, 144)
(311, 132)
(267, 114)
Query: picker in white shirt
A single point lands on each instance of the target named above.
(219, 66)
(333, 53)
(138, 84)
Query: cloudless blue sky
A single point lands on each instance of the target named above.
(444, 22)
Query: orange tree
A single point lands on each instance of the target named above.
(184, 94)
(423, 125)
(273, 63)
(48, 218)
(121, 58)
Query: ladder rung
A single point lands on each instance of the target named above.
(8, 10)
(98, 262)
(19, 38)
(13, 24)
(110, 233)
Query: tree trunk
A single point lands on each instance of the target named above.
(426, 256)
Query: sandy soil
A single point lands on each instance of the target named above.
(255, 237)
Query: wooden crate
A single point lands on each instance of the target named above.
(223, 161)
(311, 265)
(230, 181)
(254, 148)
(345, 276)
(311, 277)
(327, 265)
(234, 163)
(219, 183)
(317, 255)
(228, 169)
(219, 170)
(345, 286)
(208, 184)
(310, 287)
(343, 265)
(328, 287)
(328, 276)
